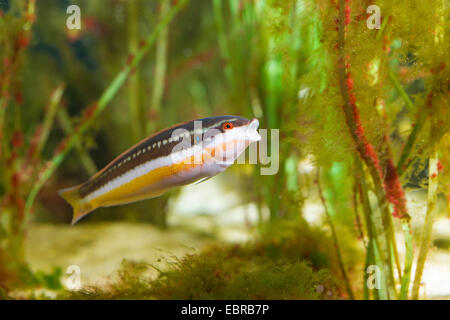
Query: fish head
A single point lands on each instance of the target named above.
(229, 137)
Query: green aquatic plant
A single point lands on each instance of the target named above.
(14, 209)
(335, 239)
(14, 161)
(363, 79)
(210, 277)
(279, 265)
(362, 106)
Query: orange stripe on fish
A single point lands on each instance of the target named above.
(176, 156)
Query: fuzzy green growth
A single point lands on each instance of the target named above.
(224, 274)
(292, 264)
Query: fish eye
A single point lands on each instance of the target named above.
(227, 126)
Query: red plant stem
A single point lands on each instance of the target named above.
(392, 188)
(10, 65)
(389, 189)
(8, 158)
(355, 209)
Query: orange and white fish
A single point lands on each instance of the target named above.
(180, 155)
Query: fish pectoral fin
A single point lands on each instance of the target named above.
(203, 179)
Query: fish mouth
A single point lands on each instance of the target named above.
(252, 131)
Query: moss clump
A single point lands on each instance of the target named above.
(291, 263)
(224, 274)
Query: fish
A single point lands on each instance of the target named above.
(185, 153)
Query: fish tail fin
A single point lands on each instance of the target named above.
(80, 209)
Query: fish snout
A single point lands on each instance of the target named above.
(252, 131)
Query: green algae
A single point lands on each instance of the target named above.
(297, 263)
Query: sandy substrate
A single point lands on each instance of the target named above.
(99, 249)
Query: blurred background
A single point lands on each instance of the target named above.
(73, 99)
